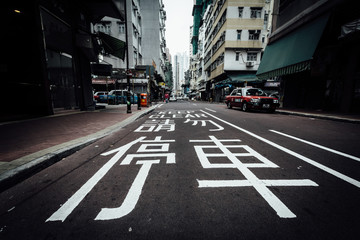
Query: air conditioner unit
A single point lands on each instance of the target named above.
(249, 64)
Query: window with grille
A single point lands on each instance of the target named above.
(254, 34)
(241, 10)
(255, 12)
(251, 57)
(121, 28)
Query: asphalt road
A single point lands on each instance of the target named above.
(194, 170)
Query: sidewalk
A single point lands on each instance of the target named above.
(341, 117)
(30, 145)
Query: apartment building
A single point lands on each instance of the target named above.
(153, 24)
(235, 34)
(116, 28)
(313, 51)
(146, 47)
(112, 31)
(51, 50)
(181, 65)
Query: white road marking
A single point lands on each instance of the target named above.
(135, 190)
(66, 209)
(203, 124)
(251, 179)
(210, 110)
(170, 157)
(318, 146)
(133, 195)
(301, 157)
(247, 183)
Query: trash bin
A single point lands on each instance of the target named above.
(143, 97)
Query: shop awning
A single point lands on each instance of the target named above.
(293, 52)
(101, 8)
(241, 77)
(237, 77)
(113, 45)
(102, 81)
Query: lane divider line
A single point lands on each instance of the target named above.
(333, 172)
(318, 146)
(210, 110)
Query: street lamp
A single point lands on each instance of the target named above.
(128, 72)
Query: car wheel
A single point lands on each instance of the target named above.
(244, 107)
(229, 105)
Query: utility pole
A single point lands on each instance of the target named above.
(128, 99)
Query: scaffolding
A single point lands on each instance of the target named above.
(198, 11)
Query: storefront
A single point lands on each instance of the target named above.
(48, 67)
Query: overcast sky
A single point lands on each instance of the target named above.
(178, 22)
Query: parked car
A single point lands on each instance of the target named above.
(274, 94)
(101, 97)
(120, 97)
(172, 98)
(251, 98)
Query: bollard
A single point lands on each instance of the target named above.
(139, 101)
(144, 101)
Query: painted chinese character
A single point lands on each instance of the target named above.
(238, 161)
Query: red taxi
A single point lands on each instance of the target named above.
(251, 98)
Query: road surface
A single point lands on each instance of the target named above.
(193, 170)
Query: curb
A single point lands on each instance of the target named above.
(319, 116)
(40, 160)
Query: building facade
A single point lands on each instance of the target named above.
(146, 48)
(181, 65)
(116, 28)
(49, 56)
(313, 50)
(235, 34)
(154, 42)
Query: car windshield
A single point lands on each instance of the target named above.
(255, 92)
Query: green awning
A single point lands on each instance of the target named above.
(113, 45)
(241, 77)
(293, 52)
(236, 77)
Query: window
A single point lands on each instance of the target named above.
(104, 27)
(254, 34)
(238, 36)
(237, 55)
(98, 28)
(241, 10)
(255, 12)
(255, 92)
(251, 57)
(135, 56)
(121, 28)
(266, 19)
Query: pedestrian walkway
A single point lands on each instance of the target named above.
(29, 145)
